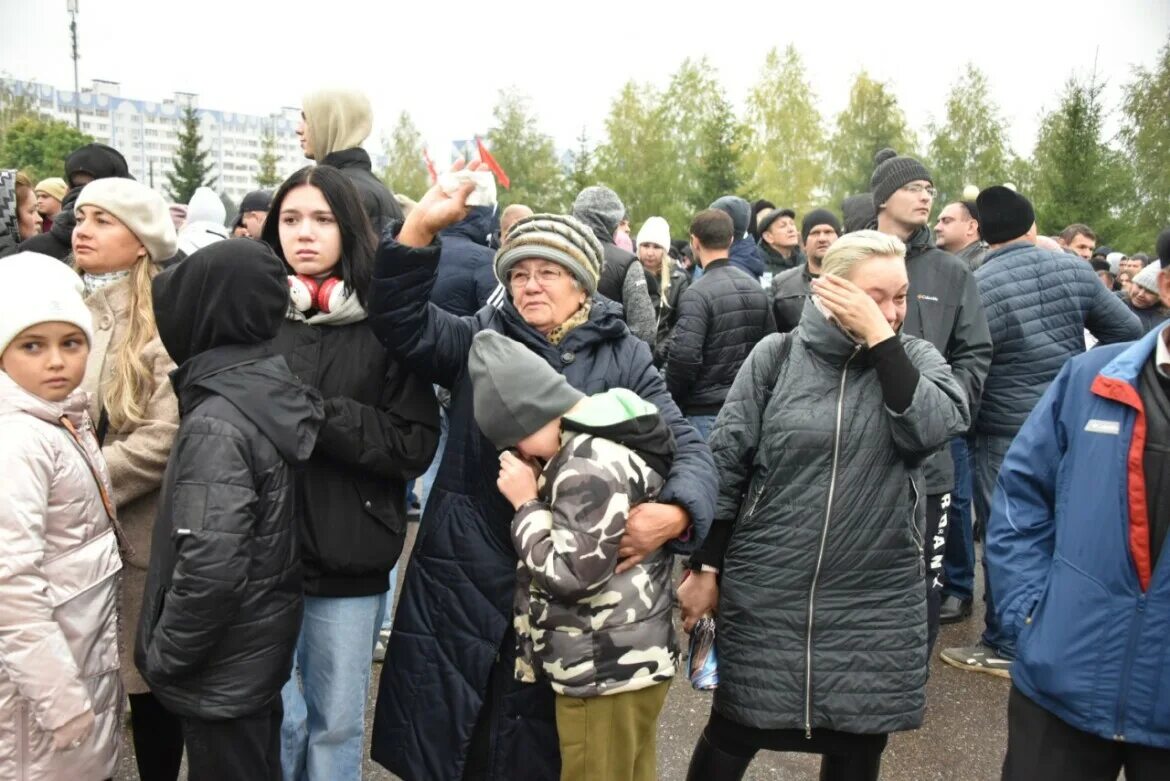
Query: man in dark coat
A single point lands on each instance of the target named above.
(944, 308)
(449, 706)
(743, 254)
(465, 279)
(334, 123)
(818, 230)
(86, 163)
(957, 232)
(779, 244)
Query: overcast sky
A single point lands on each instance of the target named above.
(445, 66)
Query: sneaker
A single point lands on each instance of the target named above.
(979, 658)
(954, 610)
(380, 647)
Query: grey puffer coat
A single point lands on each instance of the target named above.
(822, 613)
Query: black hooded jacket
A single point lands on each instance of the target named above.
(466, 277)
(222, 605)
(377, 200)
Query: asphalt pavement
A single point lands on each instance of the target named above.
(962, 739)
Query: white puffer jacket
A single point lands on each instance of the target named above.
(59, 563)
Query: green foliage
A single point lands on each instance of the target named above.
(1078, 177)
(1146, 137)
(268, 177)
(39, 145)
(971, 146)
(872, 121)
(640, 159)
(528, 156)
(581, 174)
(705, 135)
(785, 157)
(191, 169)
(406, 170)
(14, 107)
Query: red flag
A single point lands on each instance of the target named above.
(486, 157)
(430, 166)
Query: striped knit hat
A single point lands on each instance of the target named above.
(558, 238)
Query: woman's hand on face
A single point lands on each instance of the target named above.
(854, 309)
(436, 210)
(698, 596)
(517, 480)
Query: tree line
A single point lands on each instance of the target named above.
(671, 150)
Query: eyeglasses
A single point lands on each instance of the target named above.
(918, 189)
(545, 277)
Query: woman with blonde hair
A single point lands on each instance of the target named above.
(123, 233)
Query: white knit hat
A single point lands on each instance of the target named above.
(655, 231)
(53, 295)
(1148, 277)
(139, 208)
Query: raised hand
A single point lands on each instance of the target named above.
(436, 210)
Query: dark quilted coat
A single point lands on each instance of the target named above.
(721, 317)
(774, 447)
(1038, 305)
(466, 277)
(377, 200)
(451, 658)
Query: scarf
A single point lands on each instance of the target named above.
(577, 318)
(95, 282)
(348, 311)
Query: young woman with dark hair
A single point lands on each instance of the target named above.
(381, 428)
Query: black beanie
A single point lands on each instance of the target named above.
(818, 217)
(1004, 215)
(893, 172)
(1163, 247)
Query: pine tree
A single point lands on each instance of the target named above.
(970, 147)
(705, 135)
(267, 176)
(581, 174)
(190, 168)
(526, 154)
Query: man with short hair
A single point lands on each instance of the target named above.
(721, 317)
(50, 192)
(945, 310)
(511, 215)
(1078, 239)
(743, 253)
(1038, 305)
(1077, 530)
(957, 232)
(1133, 264)
(253, 211)
(334, 123)
(819, 229)
(779, 244)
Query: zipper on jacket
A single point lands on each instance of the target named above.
(919, 542)
(1118, 734)
(812, 595)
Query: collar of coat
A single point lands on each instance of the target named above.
(605, 324)
(826, 339)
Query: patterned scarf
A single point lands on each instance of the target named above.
(577, 318)
(95, 282)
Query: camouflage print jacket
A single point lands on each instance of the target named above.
(587, 630)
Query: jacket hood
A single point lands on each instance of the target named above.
(262, 388)
(475, 227)
(596, 223)
(826, 337)
(337, 119)
(233, 292)
(205, 206)
(743, 255)
(97, 160)
(620, 415)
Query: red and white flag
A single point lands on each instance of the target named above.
(486, 158)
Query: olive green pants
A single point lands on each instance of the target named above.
(610, 738)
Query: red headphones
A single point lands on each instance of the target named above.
(306, 293)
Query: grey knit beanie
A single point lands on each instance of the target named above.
(514, 391)
(893, 172)
(602, 202)
(1148, 276)
(739, 210)
(555, 237)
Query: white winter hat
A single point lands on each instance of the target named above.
(53, 294)
(655, 231)
(139, 208)
(1148, 276)
(1114, 261)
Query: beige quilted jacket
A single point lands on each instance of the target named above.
(58, 583)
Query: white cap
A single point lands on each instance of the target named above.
(53, 293)
(655, 231)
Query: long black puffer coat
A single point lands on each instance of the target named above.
(822, 614)
(450, 664)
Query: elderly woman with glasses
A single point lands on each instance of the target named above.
(449, 705)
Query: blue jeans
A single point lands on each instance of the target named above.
(325, 697)
(427, 481)
(959, 555)
(986, 458)
(703, 423)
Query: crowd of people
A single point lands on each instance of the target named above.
(212, 433)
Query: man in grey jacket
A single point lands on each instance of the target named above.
(944, 309)
(1038, 304)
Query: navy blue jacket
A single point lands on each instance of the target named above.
(1038, 304)
(1068, 553)
(452, 632)
(743, 255)
(466, 277)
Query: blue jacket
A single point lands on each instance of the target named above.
(1038, 304)
(452, 654)
(743, 255)
(1068, 554)
(466, 275)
